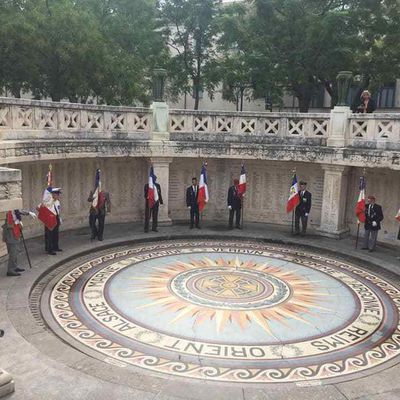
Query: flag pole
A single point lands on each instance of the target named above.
(292, 232)
(26, 249)
(358, 232)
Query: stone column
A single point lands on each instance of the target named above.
(334, 201)
(159, 106)
(161, 170)
(338, 126)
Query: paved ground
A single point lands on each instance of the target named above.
(46, 368)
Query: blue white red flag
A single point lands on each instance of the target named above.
(294, 197)
(242, 182)
(152, 192)
(47, 213)
(202, 197)
(97, 189)
(360, 206)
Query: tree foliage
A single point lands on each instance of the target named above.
(77, 49)
(190, 31)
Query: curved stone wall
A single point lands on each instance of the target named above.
(268, 183)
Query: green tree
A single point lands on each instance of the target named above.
(190, 31)
(309, 41)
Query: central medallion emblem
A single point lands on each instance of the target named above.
(230, 288)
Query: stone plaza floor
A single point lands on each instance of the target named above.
(203, 314)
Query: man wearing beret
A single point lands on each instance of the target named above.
(373, 219)
(234, 204)
(303, 209)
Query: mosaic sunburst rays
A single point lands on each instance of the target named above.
(229, 291)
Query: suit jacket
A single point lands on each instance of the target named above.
(234, 200)
(304, 206)
(375, 214)
(158, 187)
(191, 196)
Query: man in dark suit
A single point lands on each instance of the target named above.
(51, 237)
(302, 210)
(191, 202)
(98, 213)
(234, 204)
(152, 212)
(373, 219)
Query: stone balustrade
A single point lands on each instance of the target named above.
(24, 119)
(378, 130)
(295, 125)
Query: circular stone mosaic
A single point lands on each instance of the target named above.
(228, 311)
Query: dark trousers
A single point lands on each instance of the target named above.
(194, 216)
(13, 249)
(370, 238)
(153, 214)
(97, 230)
(51, 238)
(231, 215)
(297, 218)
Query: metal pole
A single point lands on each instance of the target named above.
(242, 210)
(26, 250)
(358, 232)
(292, 220)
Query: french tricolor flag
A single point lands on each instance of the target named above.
(202, 197)
(360, 206)
(97, 189)
(46, 211)
(152, 193)
(398, 215)
(242, 181)
(294, 198)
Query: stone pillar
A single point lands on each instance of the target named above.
(334, 201)
(161, 170)
(338, 125)
(159, 107)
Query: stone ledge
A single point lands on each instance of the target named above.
(7, 385)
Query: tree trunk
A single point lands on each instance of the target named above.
(196, 84)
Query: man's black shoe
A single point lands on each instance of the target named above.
(364, 248)
(192, 227)
(238, 227)
(100, 239)
(52, 253)
(13, 273)
(59, 250)
(155, 230)
(198, 227)
(19, 269)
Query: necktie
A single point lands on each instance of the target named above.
(369, 209)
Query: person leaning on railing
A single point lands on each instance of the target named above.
(367, 104)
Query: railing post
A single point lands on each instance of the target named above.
(339, 121)
(159, 107)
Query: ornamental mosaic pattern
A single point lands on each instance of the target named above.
(228, 311)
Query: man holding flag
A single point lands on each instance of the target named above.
(153, 199)
(100, 206)
(294, 197)
(49, 214)
(303, 209)
(12, 235)
(202, 198)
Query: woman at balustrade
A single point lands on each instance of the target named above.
(367, 104)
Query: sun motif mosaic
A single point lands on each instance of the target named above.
(228, 311)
